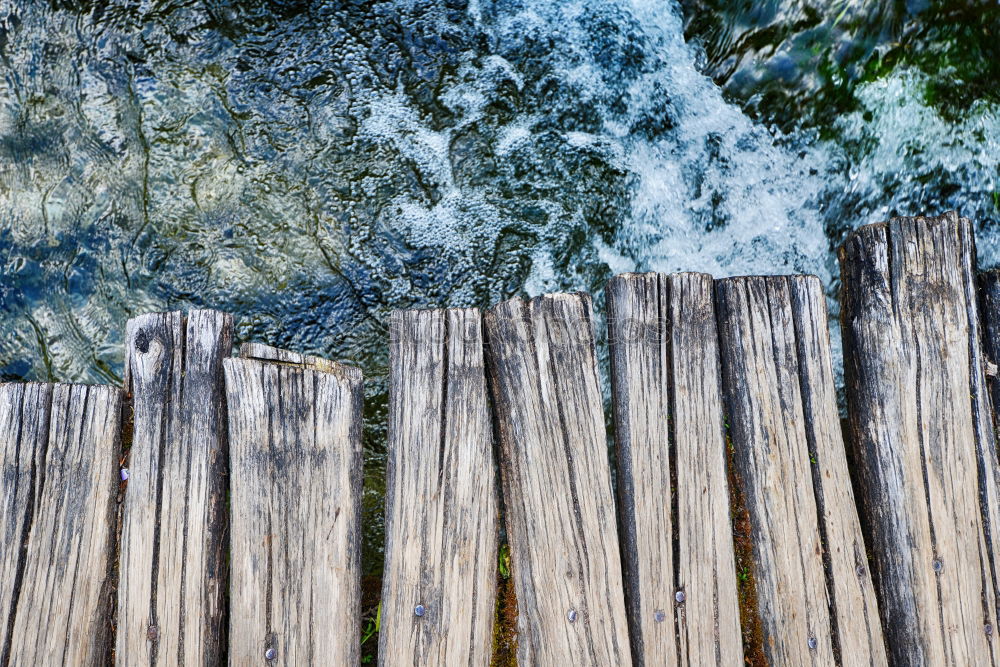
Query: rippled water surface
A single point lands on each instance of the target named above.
(312, 166)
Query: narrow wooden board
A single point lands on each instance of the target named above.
(296, 471)
(921, 432)
(672, 488)
(439, 580)
(556, 482)
(60, 449)
(24, 433)
(814, 592)
(172, 587)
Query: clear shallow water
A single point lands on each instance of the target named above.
(310, 167)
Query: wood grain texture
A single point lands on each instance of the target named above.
(172, 588)
(672, 488)
(280, 356)
(556, 482)
(441, 502)
(296, 471)
(814, 591)
(921, 432)
(60, 478)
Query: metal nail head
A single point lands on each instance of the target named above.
(860, 570)
(812, 643)
(659, 616)
(680, 597)
(988, 629)
(124, 474)
(419, 610)
(270, 653)
(571, 616)
(937, 565)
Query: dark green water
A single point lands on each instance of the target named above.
(312, 166)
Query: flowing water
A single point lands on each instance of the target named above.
(312, 166)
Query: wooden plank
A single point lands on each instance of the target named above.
(61, 445)
(814, 591)
(296, 472)
(439, 580)
(556, 482)
(24, 420)
(672, 488)
(919, 423)
(172, 586)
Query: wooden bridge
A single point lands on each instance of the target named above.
(209, 511)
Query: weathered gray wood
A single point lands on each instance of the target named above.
(814, 592)
(60, 446)
(24, 420)
(441, 503)
(919, 421)
(172, 579)
(556, 482)
(672, 488)
(295, 472)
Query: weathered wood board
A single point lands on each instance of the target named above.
(680, 575)
(439, 579)
(60, 446)
(814, 592)
(556, 482)
(172, 578)
(295, 472)
(922, 437)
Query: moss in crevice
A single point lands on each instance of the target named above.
(750, 623)
(505, 624)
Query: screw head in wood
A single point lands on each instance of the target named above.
(659, 616)
(571, 616)
(937, 565)
(811, 642)
(988, 629)
(419, 610)
(271, 653)
(124, 474)
(860, 570)
(680, 597)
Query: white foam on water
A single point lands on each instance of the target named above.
(909, 150)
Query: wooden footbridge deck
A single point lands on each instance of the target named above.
(743, 529)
